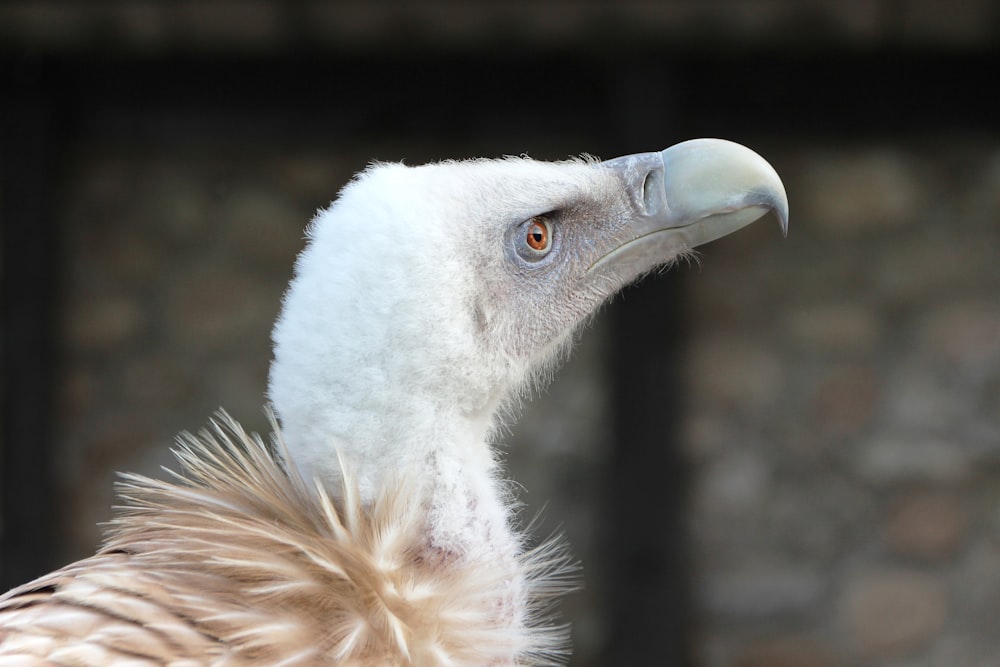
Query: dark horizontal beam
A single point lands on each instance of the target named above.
(273, 27)
(852, 96)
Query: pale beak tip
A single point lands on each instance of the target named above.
(782, 214)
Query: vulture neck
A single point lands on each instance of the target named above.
(439, 455)
(404, 419)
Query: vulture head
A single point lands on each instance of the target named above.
(427, 301)
(429, 298)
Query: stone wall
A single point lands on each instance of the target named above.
(843, 430)
(176, 266)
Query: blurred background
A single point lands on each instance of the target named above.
(785, 454)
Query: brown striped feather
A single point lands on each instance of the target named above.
(238, 561)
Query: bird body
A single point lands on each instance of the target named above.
(239, 562)
(378, 531)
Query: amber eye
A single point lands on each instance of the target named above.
(533, 239)
(538, 235)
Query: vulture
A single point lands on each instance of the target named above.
(373, 526)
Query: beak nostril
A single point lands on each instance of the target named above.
(653, 192)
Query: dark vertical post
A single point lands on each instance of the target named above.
(645, 535)
(30, 245)
(645, 539)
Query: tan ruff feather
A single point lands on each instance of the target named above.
(240, 562)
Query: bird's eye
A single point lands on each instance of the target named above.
(538, 235)
(533, 239)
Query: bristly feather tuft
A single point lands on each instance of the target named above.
(240, 562)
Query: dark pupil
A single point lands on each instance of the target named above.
(537, 236)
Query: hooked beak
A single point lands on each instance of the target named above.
(687, 195)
